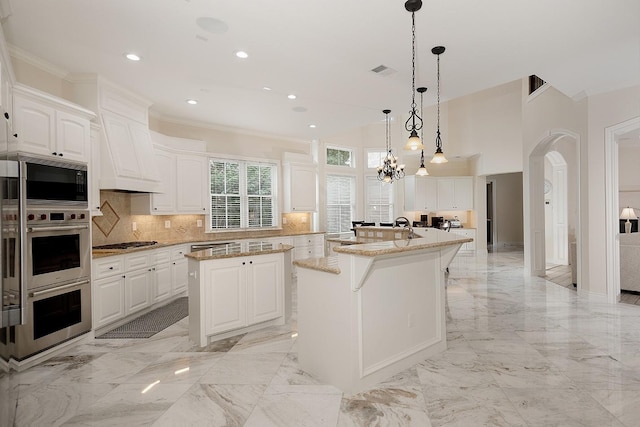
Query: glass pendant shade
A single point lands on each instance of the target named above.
(439, 157)
(414, 143)
(422, 171)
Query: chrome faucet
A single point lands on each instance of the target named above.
(407, 224)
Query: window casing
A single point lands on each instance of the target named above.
(243, 194)
(379, 205)
(340, 203)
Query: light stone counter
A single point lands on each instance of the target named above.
(327, 264)
(238, 249)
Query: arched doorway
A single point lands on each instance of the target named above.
(534, 201)
(555, 203)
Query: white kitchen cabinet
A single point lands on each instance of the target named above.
(94, 171)
(108, 290)
(308, 246)
(455, 193)
(185, 186)
(179, 270)
(467, 232)
(420, 193)
(138, 281)
(50, 127)
(234, 293)
(299, 183)
(161, 271)
(225, 295)
(192, 192)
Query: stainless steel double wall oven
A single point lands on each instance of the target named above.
(46, 255)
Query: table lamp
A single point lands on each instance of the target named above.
(628, 213)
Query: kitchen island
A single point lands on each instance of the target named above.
(236, 288)
(374, 309)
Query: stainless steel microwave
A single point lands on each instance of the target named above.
(55, 183)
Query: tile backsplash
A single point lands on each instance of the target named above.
(117, 223)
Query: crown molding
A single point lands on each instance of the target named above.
(222, 128)
(37, 62)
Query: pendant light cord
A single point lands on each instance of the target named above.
(438, 140)
(413, 65)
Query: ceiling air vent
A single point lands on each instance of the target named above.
(383, 70)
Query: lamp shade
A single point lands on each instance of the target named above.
(413, 143)
(628, 213)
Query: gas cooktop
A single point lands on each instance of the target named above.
(127, 245)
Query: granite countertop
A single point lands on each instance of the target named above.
(214, 237)
(238, 249)
(328, 264)
(431, 238)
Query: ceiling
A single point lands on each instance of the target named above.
(323, 52)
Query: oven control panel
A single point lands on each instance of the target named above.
(42, 217)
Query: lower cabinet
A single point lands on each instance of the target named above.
(239, 292)
(466, 232)
(126, 284)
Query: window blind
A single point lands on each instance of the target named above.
(340, 203)
(379, 200)
(242, 194)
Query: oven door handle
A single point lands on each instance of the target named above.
(57, 228)
(58, 288)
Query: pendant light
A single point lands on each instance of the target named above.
(438, 157)
(414, 122)
(422, 171)
(390, 170)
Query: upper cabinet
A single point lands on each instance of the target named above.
(49, 126)
(420, 193)
(185, 190)
(432, 194)
(455, 193)
(299, 183)
(127, 160)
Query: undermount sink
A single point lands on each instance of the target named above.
(126, 245)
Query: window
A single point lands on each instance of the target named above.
(242, 194)
(379, 200)
(375, 158)
(339, 157)
(340, 203)
(535, 83)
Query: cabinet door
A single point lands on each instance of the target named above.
(165, 202)
(137, 286)
(35, 126)
(427, 193)
(192, 186)
(162, 276)
(446, 194)
(264, 288)
(225, 295)
(463, 193)
(108, 300)
(179, 276)
(120, 140)
(301, 196)
(72, 140)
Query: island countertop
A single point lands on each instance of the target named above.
(238, 249)
(430, 238)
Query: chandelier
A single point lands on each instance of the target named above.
(414, 122)
(422, 171)
(438, 157)
(390, 170)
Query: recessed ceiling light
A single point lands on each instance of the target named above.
(242, 54)
(132, 57)
(312, 126)
(267, 88)
(192, 101)
(291, 96)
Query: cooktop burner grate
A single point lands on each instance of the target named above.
(127, 245)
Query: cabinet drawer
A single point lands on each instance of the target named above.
(178, 252)
(308, 240)
(105, 267)
(162, 256)
(136, 261)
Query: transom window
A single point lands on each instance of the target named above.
(242, 194)
(340, 157)
(375, 158)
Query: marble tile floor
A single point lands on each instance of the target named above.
(521, 352)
